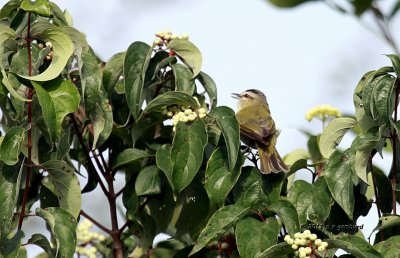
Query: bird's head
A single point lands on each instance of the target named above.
(249, 98)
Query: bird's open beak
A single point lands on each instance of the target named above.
(235, 95)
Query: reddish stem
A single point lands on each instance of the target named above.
(394, 143)
(28, 40)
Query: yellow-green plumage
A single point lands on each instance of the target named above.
(257, 129)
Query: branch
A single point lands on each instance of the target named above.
(91, 167)
(84, 214)
(28, 40)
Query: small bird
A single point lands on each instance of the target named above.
(257, 129)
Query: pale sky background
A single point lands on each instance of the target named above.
(299, 57)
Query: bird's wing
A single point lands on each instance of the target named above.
(259, 127)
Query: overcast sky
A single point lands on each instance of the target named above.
(300, 57)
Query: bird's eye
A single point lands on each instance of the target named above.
(246, 95)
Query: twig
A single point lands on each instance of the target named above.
(91, 167)
(29, 146)
(84, 214)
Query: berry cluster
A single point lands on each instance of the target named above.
(50, 55)
(306, 243)
(322, 112)
(85, 237)
(183, 114)
(165, 36)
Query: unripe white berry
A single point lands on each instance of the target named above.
(170, 114)
(321, 248)
(167, 31)
(202, 111)
(167, 37)
(158, 42)
(313, 237)
(297, 241)
(301, 249)
(174, 129)
(183, 119)
(40, 45)
(174, 36)
(302, 254)
(202, 115)
(324, 244)
(286, 238)
(307, 231)
(188, 111)
(185, 36)
(181, 114)
(191, 117)
(318, 242)
(307, 250)
(48, 44)
(303, 242)
(297, 235)
(294, 247)
(290, 241)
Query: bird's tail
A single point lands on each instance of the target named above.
(271, 161)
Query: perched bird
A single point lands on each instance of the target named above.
(257, 129)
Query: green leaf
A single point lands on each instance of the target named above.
(300, 195)
(361, 6)
(355, 246)
(136, 62)
(312, 201)
(7, 34)
(97, 106)
(395, 61)
(188, 53)
(41, 241)
(11, 145)
(248, 191)
(62, 226)
(62, 48)
(210, 87)
(364, 121)
(113, 71)
(333, 134)
(57, 98)
(128, 156)
(10, 177)
(167, 99)
(386, 222)
(40, 7)
(288, 3)
(222, 220)
(278, 250)
(338, 175)
(193, 206)
(322, 201)
(66, 185)
(11, 245)
(226, 120)
(390, 247)
(363, 144)
(254, 236)
(288, 214)
(219, 179)
(183, 79)
(384, 186)
(181, 161)
(382, 99)
(148, 182)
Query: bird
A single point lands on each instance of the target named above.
(257, 129)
